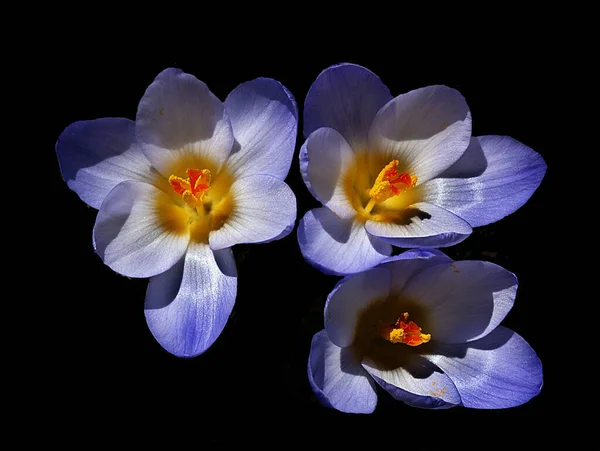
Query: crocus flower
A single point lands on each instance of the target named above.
(401, 171)
(426, 329)
(177, 188)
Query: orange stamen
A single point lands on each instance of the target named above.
(391, 182)
(192, 189)
(179, 185)
(405, 332)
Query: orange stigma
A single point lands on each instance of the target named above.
(403, 332)
(192, 189)
(390, 182)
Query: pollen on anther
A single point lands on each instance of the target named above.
(391, 182)
(401, 331)
(179, 185)
(192, 189)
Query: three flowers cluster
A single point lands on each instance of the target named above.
(193, 176)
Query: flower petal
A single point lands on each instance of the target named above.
(511, 174)
(325, 158)
(427, 130)
(264, 117)
(187, 306)
(264, 209)
(405, 265)
(349, 297)
(179, 115)
(95, 156)
(500, 370)
(337, 379)
(338, 246)
(345, 97)
(129, 236)
(466, 300)
(418, 383)
(425, 225)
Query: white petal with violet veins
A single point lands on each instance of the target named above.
(338, 246)
(178, 116)
(130, 236)
(263, 208)
(427, 130)
(188, 306)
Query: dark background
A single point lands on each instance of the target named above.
(255, 373)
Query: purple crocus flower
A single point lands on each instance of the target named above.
(177, 188)
(401, 171)
(427, 330)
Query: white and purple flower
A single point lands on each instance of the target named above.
(401, 171)
(427, 330)
(177, 188)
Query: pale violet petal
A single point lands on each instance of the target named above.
(498, 371)
(420, 383)
(495, 177)
(466, 300)
(129, 235)
(263, 208)
(338, 246)
(178, 116)
(349, 298)
(424, 225)
(326, 159)
(345, 97)
(409, 263)
(264, 117)
(337, 379)
(96, 155)
(188, 306)
(426, 130)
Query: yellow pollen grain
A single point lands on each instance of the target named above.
(438, 393)
(396, 336)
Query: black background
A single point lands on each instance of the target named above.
(255, 373)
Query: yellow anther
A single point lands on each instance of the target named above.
(192, 189)
(390, 182)
(403, 332)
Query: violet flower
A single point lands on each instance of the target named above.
(427, 330)
(401, 171)
(177, 188)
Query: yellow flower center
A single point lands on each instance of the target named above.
(402, 331)
(389, 183)
(196, 204)
(381, 195)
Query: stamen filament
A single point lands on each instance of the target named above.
(370, 205)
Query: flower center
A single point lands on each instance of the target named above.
(402, 331)
(198, 203)
(192, 189)
(389, 183)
